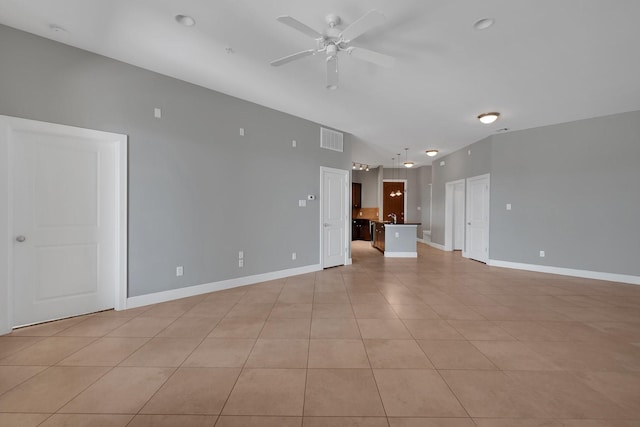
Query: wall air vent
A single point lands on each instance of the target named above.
(331, 140)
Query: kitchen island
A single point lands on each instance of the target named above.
(395, 240)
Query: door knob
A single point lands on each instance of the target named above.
(20, 239)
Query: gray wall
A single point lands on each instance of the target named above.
(575, 193)
(369, 181)
(574, 190)
(198, 192)
(458, 165)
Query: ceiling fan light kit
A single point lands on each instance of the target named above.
(488, 118)
(333, 41)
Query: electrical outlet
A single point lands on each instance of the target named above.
(294, 144)
(293, 256)
(541, 254)
(240, 254)
(397, 234)
(179, 271)
(508, 206)
(302, 203)
(240, 263)
(157, 113)
(241, 131)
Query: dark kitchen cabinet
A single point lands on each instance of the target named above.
(360, 229)
(356, 195)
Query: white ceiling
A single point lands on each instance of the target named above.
(543, 62)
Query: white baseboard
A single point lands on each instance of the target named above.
(437, 246)
(400, 254)
(190, 291)
(419, 240)
(349, 261)
(587, 274)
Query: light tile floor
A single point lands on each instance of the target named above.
(438, 341)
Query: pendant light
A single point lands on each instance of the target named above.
(398, 192)
(406, 172)
(393, 164)
(407, 163)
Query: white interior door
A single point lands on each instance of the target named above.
(458, 217)
(334, 217)
(477, 230)
(66, 218)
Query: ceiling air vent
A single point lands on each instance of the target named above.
(331, 140)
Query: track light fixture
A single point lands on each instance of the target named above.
(360, 166)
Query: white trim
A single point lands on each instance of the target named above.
(349, 261)
(122, 227)
(388, 254)
(173, 294)
(6, 181)
(419, 240)
(436, 245)
(587, 274)
(347, 212)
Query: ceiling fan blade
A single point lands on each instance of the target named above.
(332, 72)
(371, 56)
(297, 25)
(292, 57)
(372, 19)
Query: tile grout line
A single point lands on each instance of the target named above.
(226, 401)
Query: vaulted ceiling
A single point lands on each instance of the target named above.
(542, 62)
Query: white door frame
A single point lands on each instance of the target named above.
(486, 176)
(406, 188)
(6, 215)
(347, 214)
(449, 188)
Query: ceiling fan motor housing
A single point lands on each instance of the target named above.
(332, 49)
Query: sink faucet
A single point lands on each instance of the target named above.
(395, 218)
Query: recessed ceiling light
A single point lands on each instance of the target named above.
(488, 118)
(432, 153)
(186, 20)
(484, 23)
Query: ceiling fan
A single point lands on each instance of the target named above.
(334, 40)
